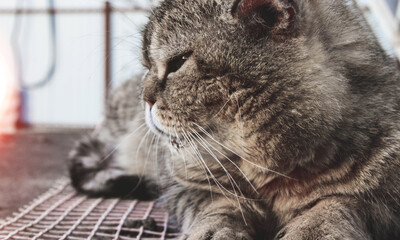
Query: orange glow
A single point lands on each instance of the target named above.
(8, 91)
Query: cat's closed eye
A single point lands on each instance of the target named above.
(176, 63)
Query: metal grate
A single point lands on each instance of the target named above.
(61, 213)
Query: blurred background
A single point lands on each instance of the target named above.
(59, 58)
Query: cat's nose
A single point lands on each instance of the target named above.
(150, 101)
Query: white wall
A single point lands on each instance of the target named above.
(76, 93)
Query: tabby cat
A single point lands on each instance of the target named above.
(266, 119)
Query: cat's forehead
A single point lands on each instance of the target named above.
(176, 16)
(174, 24)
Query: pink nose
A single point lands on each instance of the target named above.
(149, 101)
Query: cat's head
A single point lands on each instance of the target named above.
(240, 78)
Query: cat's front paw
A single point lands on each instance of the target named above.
(328, 220)
(85, 160)
(318, 232)
(217, 234)
(94, 171)
(213, 231)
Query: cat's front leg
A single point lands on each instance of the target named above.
(94, 170)
(217, 218)
(329, 219)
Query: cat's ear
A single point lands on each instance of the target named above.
(278, 16)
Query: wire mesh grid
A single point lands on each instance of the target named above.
(61, 213)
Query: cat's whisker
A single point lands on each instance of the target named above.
(194, 148)
(150, 147)
(232, 162)
(126, 65)
(204, 145)
(230, 98)
(231, 179)
(115, 148)
(184, 160)
(155, 160)
(200, 157)
(240, 116)
(244, 159)
(208, 176)
(141, 175)
(125, 17)
(170, 150)
(198, 163)
(141, 143)
(153, 48)
(198, 153)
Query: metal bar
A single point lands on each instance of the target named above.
(164, 232)
(62, 217)
(70, 10)
(102, 218)
(69, 220)
(84, 215)
(123, 218)
(108, 56)
(139, 236)
(43, 215)
(146, 215)
(60, 186)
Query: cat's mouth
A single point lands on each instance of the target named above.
(153, 124)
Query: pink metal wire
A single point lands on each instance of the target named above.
(61, 213)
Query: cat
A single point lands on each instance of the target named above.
(256, 119)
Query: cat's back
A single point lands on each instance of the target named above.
(123, 110)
